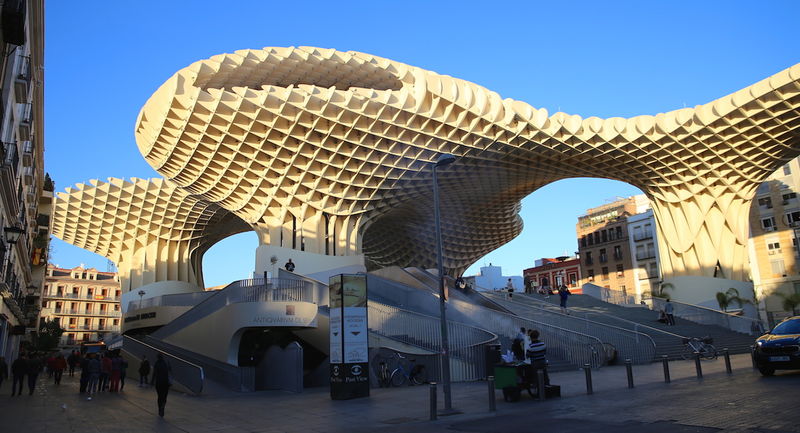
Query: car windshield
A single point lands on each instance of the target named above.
(788, 327)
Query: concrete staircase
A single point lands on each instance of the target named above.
(642, 319)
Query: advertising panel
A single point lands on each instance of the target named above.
(349, 351)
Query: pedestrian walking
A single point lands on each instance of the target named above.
(93, 373)
(18, 370)
(34, 368)
(105, 372)
(116, 372)
(59, 365)
(563, 294)
(72, 361)
(669, 310)
(3, 370)
(144, 371)
(162, 380)
(123, 371)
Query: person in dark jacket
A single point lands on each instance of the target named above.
(18, 370)
(3, 370)
(161, 379)
(59, 365)
(72, 361)
(34, 367)
(144, 371)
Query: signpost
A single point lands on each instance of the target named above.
(349, 352)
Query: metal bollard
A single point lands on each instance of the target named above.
(665, 360)
(629, 369)
(588, 370)
(540, 383)
(727, 356)
(433, 401)
(697, 365)
(492, 402)
(753, 357)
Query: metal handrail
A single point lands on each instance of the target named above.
(710, 316)
(574, 347)
(191, 376)
(629, 344)
(467, 343)
(250, 290)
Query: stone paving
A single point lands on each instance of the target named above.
(741, 402)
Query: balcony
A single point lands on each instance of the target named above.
(642, 236)
(98, 298)
(27, 153)
(70, 312)
(25, 119)
(22, 78)
(645, 255)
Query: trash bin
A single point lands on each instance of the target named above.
(493, 357)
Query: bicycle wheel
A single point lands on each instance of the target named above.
(419, 376)
(398, 378)
(688, 352)
(708, 351)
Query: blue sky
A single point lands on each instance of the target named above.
(104, 59)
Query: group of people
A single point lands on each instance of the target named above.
(528, 348)
(102, 372)
(99, 372)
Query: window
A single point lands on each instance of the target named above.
(787, 170)
(651, 250)
(591, 239)
(604, 235)
(648, 230)
(620, 271)
(597, 237)
(603, 256)
(604, 271)
(793, 218)
(583, 241)
(768, 224)
(789, 196)
(637, 233)
(591, 275)
(653, 270)
(611, 235)
(765, 202)
(774, 247)
(573, 279)
(588, 255)
(619, 232)
(617, 252)
(778, 268)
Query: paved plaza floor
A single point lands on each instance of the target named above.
(741, 402)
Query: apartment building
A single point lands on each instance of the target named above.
(85, 302)
(553, 273)
(25, 191)
(605, 249)
(644, 260)
(775, 240)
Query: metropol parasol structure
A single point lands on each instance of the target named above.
(327, 156)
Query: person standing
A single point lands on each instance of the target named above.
(18, 369)
(34, 366)
(59, 365)
(289, 266)
(123, 371)
(72, 360)
(563, 294)
(510, 288)
(144, 371)
(3, 370)
(669, 310)
(162, 381)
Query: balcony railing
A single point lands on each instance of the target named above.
(642, 236)
(645, 255)
(70, 312)
(82, 297)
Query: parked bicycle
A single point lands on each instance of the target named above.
(702, 346)
(405, 371)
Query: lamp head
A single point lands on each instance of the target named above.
(445, 159)
(13, 234)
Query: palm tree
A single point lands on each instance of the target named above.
(724, 299)
(659, 293)
(790, 302)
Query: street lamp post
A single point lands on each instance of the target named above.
(141, 294)
(442, 161)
